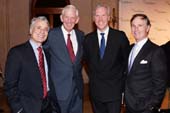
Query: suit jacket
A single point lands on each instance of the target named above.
(166, 48)
(63, 71)
(145, 83)
(106, 75)
(23, 84)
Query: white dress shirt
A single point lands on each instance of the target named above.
(135, 50)
(73, 38)
(35, 46)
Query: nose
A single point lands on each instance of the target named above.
(100, 17)
(135, 28)
(42, 31)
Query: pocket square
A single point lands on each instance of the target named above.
(143, 62)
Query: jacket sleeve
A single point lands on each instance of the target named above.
(159, 75)
(12, 75)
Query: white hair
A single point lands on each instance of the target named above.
(70, 7)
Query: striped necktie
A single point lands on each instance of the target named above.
(42, 71)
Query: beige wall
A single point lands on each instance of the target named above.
(85, 8)
(158, 12)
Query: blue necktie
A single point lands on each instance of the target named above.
(102, 45)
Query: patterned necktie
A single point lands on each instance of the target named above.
(70, 48)
(42, 71)
(102, 45)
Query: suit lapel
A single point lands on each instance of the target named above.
(109, 44)
(96, 46)
(61, 46)
(79, 47)
(141, 54)
(29, 53)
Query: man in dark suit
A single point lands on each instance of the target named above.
(28, 87)
(145, 82)
(105, 68)
(65, 46)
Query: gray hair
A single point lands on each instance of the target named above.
(41, 18)
(104, 6)
(70, 7)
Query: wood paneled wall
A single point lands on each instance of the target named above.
(4, 39)
(14, 25)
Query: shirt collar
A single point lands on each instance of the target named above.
(105, 31)
(141, 42)
(33, 44)
(66, 32)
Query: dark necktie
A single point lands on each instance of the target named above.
(102, 45)
(70, 48)
(42, 71)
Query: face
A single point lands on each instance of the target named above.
(69, 19)
(39, 32)
(101, 18)
(139, 28)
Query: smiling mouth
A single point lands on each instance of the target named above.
(41, 36)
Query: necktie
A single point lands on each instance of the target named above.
(102, 45)
(42, 71)
(70, 48)
(132, 57)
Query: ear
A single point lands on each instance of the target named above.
(109, 18)
(77, 20)
(148, 28)
(30, 30)
(93, 18)
(61, 18)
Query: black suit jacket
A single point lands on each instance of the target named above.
(106, 75)
(23, 83)
(145, 83)
(166, 48)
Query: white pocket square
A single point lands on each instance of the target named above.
(143, 62)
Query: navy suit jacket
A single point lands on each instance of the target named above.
(146, 81)
(107, 75)
(63, 71)
(23, 84)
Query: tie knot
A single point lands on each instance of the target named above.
(39, 49)
(102, 34)
(68, 35)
